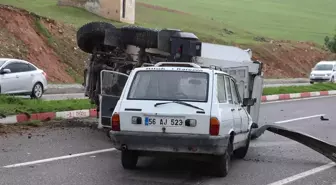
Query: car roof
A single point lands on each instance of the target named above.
(327, 62)
(178, 68)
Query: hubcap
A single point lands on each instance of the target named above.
(38, 90)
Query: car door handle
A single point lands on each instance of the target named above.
(233, 109)
(17, 76)
(239, 108)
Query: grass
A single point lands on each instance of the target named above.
(43, 30)
(299, 89)
(286, 19)
(10, 105)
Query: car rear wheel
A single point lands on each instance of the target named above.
(222, 165)
(37, 91)
(129, 159)
(240, 153)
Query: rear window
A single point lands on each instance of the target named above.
(170, 86)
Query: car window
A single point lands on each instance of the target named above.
(17, 67)
(2, 62)
(31, 67)
(170, 85)
(234, 92)
(221, 94)
(323, 67)
(228, 90)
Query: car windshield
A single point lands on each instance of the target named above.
(170, 86)
(324, 67)
(2, 62)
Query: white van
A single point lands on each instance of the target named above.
(181, 109)
(324, 71)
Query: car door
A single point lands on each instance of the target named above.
(234, 106)
(10, 82)
(226, 115)
(242, 111)
(112, 85)
(26, 76)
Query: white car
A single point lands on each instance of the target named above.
(183, 111)
(19, 77)
(324, 71)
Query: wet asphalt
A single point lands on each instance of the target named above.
(270, 158)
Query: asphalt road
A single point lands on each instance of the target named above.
(270, 159)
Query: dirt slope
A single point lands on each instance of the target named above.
(52, 46)
(47, 44)
(285, 59)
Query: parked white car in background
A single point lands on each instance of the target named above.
(324, 71)
(19, 77)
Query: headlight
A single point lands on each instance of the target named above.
(311, 74)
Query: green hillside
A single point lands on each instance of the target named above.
(217, 20)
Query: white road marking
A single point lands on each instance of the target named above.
(59, 158)
(303, 174)
(300, 118)
(272, 144)
(301, 99)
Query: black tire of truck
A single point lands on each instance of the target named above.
(92, 35)
(139, 36)
(129, 159)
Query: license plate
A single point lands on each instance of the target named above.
(169, 122)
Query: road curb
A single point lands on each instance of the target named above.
(93, 113)
(45, 116)
(277, 97)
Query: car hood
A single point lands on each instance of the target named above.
(321, 72)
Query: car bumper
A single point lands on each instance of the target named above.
(163, 142)
(320, 79)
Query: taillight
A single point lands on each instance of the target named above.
(44, 74)
(115, 122)
(214, 126)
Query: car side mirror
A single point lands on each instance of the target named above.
(249, 101)
(5, 71)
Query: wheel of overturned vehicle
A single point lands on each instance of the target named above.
(222, 163)
(139, 36)
(93, 34)
(240, 153)
(129, 159)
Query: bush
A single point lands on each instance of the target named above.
(330, 43)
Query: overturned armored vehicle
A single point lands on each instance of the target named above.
(116, 51)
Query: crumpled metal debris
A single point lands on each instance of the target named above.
(322, 147)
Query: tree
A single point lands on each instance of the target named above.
(330, 43)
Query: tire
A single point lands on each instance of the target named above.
(139, 36)
(37, 91)
(311, 82)
(222, 165)
(93, 34)
(332, 79)
(129, 159)
(240, 153)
